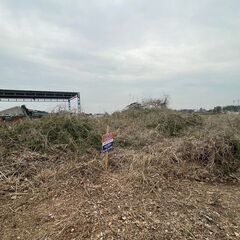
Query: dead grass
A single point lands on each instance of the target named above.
(159, 186)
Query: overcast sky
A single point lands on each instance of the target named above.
(118, 51)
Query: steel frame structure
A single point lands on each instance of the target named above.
(7, 95)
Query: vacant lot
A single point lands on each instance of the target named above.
(171, 176)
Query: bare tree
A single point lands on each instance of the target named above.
(157, 103)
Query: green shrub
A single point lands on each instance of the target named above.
(75, 133)
(171, 123)
(168, 122)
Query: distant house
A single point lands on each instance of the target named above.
(14, 111)
(19, 112)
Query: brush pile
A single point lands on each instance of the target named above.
(167, 177)
(53, 132)
(31, 147)
(167, 122)
(161, 141)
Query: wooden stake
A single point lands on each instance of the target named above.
(106, 157)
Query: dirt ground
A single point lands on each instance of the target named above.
(110, 207)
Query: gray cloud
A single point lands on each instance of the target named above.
(116, 51)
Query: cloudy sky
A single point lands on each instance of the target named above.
(118, 51)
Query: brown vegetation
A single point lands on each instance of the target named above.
(171, 176)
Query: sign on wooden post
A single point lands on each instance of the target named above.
(107, 145)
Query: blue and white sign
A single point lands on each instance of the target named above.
(107, 142)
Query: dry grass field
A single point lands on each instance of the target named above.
(171, 176)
